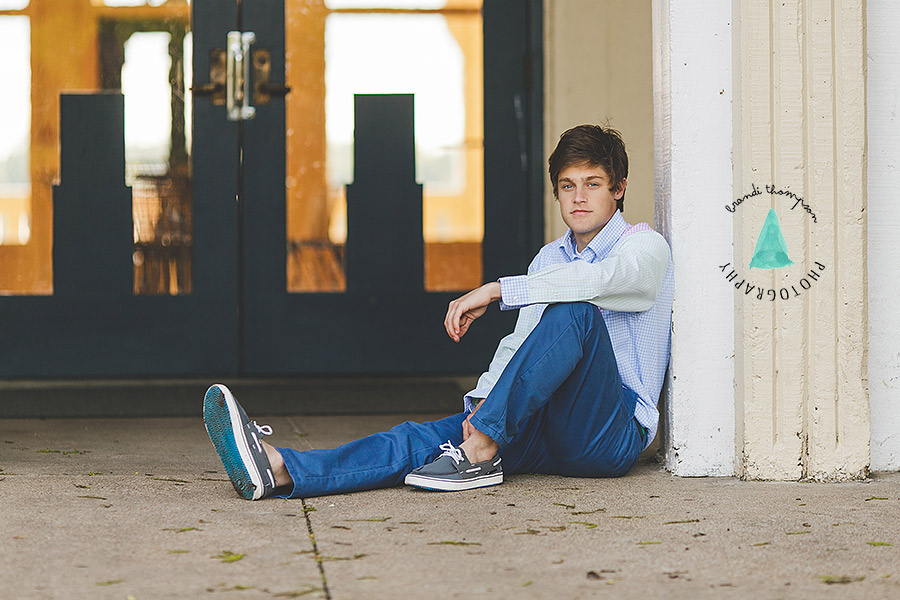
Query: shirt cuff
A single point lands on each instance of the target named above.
(471, 400)
(513, 292)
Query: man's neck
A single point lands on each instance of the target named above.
(582, 241)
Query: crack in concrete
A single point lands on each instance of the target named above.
(312, 537)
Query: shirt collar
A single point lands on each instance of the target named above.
(602, 243)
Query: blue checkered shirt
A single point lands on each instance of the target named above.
(627, 272)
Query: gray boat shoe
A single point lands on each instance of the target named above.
(452, 472)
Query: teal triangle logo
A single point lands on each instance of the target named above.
(771, 250)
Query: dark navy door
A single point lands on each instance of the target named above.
(385, 319)
(240, 312)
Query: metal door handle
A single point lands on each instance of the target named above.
(208, 89)
(263, 91)
(237, 72)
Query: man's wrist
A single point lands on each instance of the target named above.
(513, 292)
(494, 290)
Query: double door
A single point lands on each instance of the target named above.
(247, 312)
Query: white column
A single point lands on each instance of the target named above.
(692, 44)
(883, 23)
(802, 405)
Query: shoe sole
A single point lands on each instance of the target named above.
(453, 485)
(225, 430)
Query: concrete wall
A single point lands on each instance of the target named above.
(598, 69)
(883, 49)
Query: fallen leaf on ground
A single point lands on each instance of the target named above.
(298, 593)
(182, 530)
(679, 522)
(228, 556)
(588, 512)
(831, 579)
(169, 479)
(453, 543)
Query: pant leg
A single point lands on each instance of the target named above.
(562, 393)
(376, 461)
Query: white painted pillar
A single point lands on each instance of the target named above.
(802, 406)
(792, 341)
(883, 23)
(692, 45)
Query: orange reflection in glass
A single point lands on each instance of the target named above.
(433, 51)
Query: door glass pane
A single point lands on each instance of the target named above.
(26, 166)
(155, 76)
(54, 46)
(15, 123)
(429, 49)
(148, 56)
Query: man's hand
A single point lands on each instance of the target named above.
(464, 310)
(468, 428)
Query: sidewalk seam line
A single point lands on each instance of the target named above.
(318, 556)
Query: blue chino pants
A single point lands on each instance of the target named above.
(559, 407)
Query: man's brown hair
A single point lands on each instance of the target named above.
(593, 146)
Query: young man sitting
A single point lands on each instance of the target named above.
(571, 391)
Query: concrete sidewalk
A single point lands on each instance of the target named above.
(121, 508)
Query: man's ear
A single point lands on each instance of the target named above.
(620, 189)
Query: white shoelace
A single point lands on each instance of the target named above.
(263, 429)
(451, 451)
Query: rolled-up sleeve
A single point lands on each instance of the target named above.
(627, 280)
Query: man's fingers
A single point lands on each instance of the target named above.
(456, 321)
(451, 321)
(464, 325)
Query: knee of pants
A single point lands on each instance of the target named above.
(569, 310)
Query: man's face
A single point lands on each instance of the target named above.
(586, 202)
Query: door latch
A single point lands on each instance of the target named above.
(237, 75)
(230, 71)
